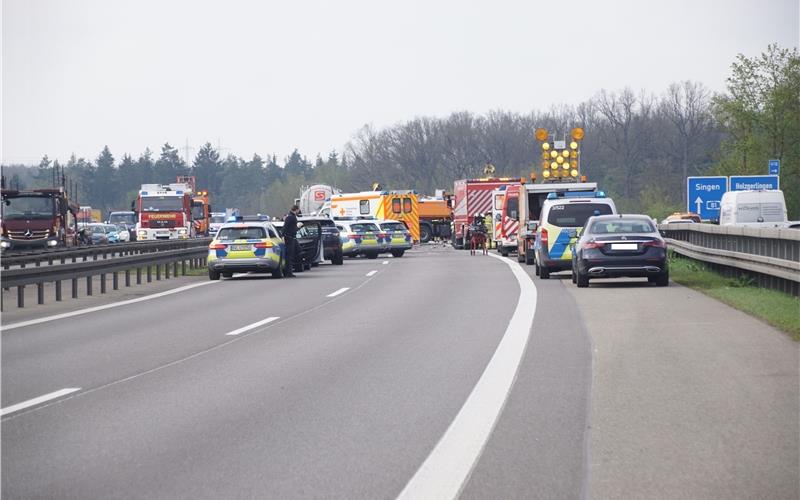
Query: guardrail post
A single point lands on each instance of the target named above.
(138, 275)
(74, 288)
(58, 290)
(175, 269)
(166, 270)
(40, 293)
(88, 285)
(127, 277)
(21, 296)
(183, 267)
(115, 280)
(102, 283)
(149, 274)
(158, 272)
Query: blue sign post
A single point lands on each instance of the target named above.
(774, 167)
(748, 182)
(703, 195)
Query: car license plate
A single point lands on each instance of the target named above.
(624, 246)
(240, 248)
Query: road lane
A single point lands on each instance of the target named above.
(343, 402)
(692, 398)
(120, 342)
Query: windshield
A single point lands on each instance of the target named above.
(28, 208)
(621, 226)
(512, 207)
(242, 233)
(97, 228)
(122, 218)
(575, 214)
(217, 219)
(394, 226)
(162, 204)
(197, 211)
(363, 228)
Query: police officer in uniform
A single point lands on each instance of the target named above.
(290, 239)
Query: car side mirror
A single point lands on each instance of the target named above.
(498, 218)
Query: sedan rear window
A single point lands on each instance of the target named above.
(622, 226)
(363, 228)
(242, 233)
(576, 214)
(394, 226)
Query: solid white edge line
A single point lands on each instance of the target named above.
(444, 473)
(253, 325)
(338, 292)
(372, 273)
(103, 307)
(385, 262)
(36, 401)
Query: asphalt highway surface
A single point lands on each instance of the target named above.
(435, 375)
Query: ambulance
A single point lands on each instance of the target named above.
(382, 205)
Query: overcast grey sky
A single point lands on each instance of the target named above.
(269, 76)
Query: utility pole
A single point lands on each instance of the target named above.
(186, 150)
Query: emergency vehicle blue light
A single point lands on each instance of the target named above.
(144, 193)
(600, 194)
(502, 188)
(552, 196)
(178, 192)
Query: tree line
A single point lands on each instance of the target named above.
(639, 147)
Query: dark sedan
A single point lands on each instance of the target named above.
(331, 243)
(614, 246)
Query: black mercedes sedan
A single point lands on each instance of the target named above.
(621, 245)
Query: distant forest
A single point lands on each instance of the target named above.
(639, 147)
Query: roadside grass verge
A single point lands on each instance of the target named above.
(779, 309)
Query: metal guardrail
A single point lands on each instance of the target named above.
(73, 254)
(140, 258)
(770, 256)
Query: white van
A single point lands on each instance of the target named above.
(762, 208)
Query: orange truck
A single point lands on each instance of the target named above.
(435, 216)
(201, 206)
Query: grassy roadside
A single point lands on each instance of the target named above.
(776, 308)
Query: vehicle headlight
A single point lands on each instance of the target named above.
(5, 244)
(142, 233)
(182, 230)
(52, 243)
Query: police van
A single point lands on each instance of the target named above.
(561, 223)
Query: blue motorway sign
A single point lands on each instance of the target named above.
(703, 195)
(774, 167)
(747, 182)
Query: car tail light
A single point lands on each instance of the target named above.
(591, 244)
(217, 246)
(655, 244)
(355, 237)
(544, 236)
(264, 244)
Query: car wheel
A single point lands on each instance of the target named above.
(278, 271)
(338, 258)
(213, 275)
(662, 279)
(520, 256)
(307, 266)
(398, 253)
(535, 268)
(544, 272)
(529, 258)
(574, 278)
(502, 251)
(372, 255)
(227, 275)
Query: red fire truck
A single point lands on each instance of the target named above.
(474, 196)
(165, 212)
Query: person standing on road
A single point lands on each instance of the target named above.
(290, 239)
